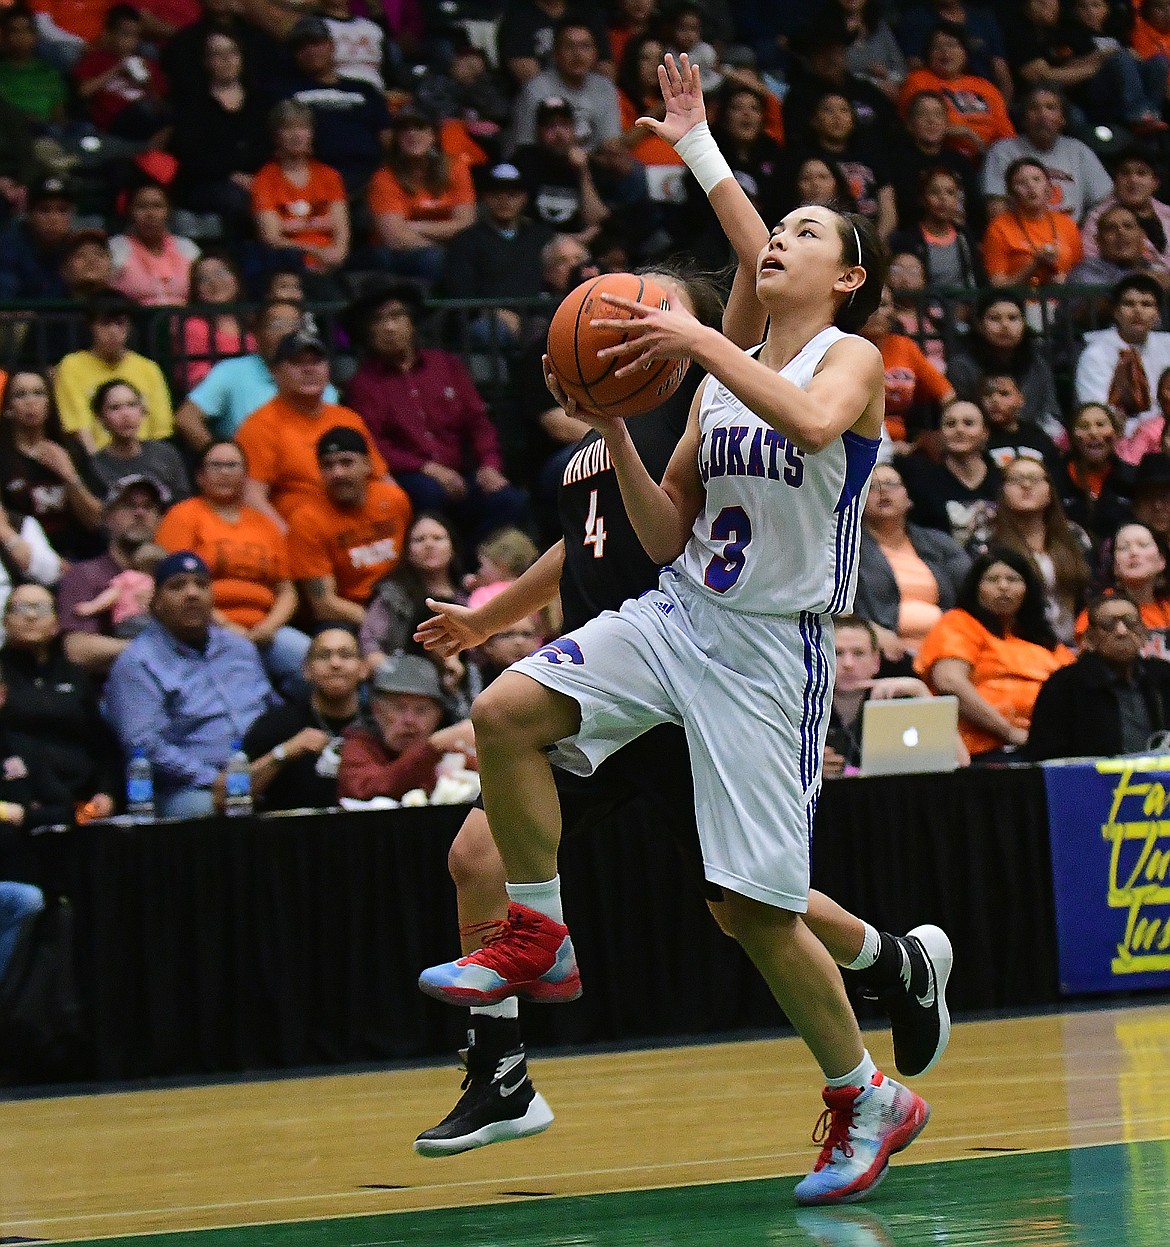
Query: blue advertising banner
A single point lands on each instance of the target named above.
(1110, 838)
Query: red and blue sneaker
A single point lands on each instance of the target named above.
(529, 955)
(860, 1129)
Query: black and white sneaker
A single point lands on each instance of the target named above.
(919, 1020)
(498, 1103)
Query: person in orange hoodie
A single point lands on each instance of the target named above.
(976, 111)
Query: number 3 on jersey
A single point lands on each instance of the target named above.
(595, 528)
(733, 526)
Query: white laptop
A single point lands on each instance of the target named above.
(909, 734)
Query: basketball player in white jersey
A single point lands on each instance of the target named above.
(599, 563)
(758, 516)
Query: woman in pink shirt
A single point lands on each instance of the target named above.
(152, 266)
(205, 340)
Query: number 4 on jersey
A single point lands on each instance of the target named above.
(595, 528)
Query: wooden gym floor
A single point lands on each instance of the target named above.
(1052, 1130)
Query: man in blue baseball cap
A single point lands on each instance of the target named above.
(185, 690)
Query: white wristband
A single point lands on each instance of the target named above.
(703, 157)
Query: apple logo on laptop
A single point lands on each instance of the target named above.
(910, 737)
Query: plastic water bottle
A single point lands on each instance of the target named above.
(140, 787)
(237, 801)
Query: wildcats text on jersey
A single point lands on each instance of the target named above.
(722, 452)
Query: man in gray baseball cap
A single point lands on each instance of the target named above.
(401, 745)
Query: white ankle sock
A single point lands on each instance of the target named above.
(870, 946)
(509, 1007)
(545, 897)
(859, 1077)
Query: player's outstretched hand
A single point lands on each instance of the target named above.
(450, 630)
(683, 97)
(651, 333)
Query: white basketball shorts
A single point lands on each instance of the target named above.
(753, 693)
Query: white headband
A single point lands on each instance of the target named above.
(857, 240)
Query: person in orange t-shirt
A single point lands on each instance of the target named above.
(84, 19)
(247, 555)
(631, 18)
(1028, 243)
(977, 114)
(993, 652)
(299, 202)
(420, 199)
(912, 381)
(280, 437)
(1150, 35)
(342, 544)
(639, 96)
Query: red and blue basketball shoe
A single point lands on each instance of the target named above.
(860, 1129)
(529, 955)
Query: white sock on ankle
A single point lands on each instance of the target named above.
(870, 946)
(859, 1077)
(509, 1007)
(545, 897)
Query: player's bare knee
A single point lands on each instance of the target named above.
(473, 858)
(749, 921)
(516, 713)
(493, 715)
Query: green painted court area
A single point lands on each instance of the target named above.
(1112, 1196)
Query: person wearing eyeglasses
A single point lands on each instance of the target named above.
(507, 646)
(1137, 571)
(295, 749)
(52, 704)
(1030, 518)
(1111, 701)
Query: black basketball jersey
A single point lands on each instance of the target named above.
(604, 560)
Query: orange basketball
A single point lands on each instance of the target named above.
(573, 344)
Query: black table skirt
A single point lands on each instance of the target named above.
(232, 945)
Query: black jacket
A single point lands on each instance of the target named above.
(1076, 714)
(54, 706)
(484, 264)
(1102, 516)
(27, 782)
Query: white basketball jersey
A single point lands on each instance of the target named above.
(780, 531)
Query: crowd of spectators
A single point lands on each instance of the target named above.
(243, 436)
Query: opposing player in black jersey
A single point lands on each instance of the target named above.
(598, 564)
